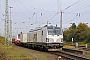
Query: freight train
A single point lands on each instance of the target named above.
(47, 38)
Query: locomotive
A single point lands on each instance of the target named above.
(47, 38)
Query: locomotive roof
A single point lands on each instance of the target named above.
(48, 27)
(51, 27)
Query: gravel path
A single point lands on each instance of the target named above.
(38, 54)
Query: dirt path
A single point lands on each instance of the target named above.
(38, 54)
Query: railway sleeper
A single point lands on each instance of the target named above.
(74, 56)
(85, 58)
(66, 57)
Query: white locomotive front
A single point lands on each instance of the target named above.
(54, 38)
(54, 35)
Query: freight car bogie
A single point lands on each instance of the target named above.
(36, 47)
(41, 46)
(29, 46)
(45, 46)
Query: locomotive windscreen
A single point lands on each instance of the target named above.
(54, 30)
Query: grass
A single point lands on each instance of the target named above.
(67, 46)
(43, 56)
(88, 55)
(74, 43)
(9, 52)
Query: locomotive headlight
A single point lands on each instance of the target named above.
(47, 39)
(61, 39)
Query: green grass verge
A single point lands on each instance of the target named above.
(9, 52)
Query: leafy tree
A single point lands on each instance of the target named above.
(70, 33)
(73, 30)
(81, 32)
(88, 36)
(73, 26)
(66, 35)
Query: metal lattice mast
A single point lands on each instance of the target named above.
(6, 23)
(10, 26)
(61, 15)
(10, 31)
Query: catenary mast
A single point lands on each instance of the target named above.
(61, 15)
(6, 16)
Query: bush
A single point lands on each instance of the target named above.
(2, 40)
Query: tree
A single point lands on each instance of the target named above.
(73, 26)
(88, 36)
(81, 32)
(70, 33)
(66, 34)
(73, 30)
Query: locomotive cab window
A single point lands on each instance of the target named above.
(54, 31)
(57, 32)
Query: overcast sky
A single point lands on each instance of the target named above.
(38, 12)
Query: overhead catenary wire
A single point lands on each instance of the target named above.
(77, 9)
(42, 12)
(86, 12)
(25, 6)
(77, 12)
(81, 14)
(38, 8)
(47, 19)
(49, 16)
(51, 6)
(47, 4)
(53, 16)
(72, 5)
(44, 8)
(20, 9)
(77, 16)
(35, 8)
(31, 16)
(82, 8)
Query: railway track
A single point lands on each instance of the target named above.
(62, 55)
(68, 56)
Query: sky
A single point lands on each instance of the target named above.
(29, 14)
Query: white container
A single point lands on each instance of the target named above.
(23, 37)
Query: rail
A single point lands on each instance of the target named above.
(72, 51)
(68, 56)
